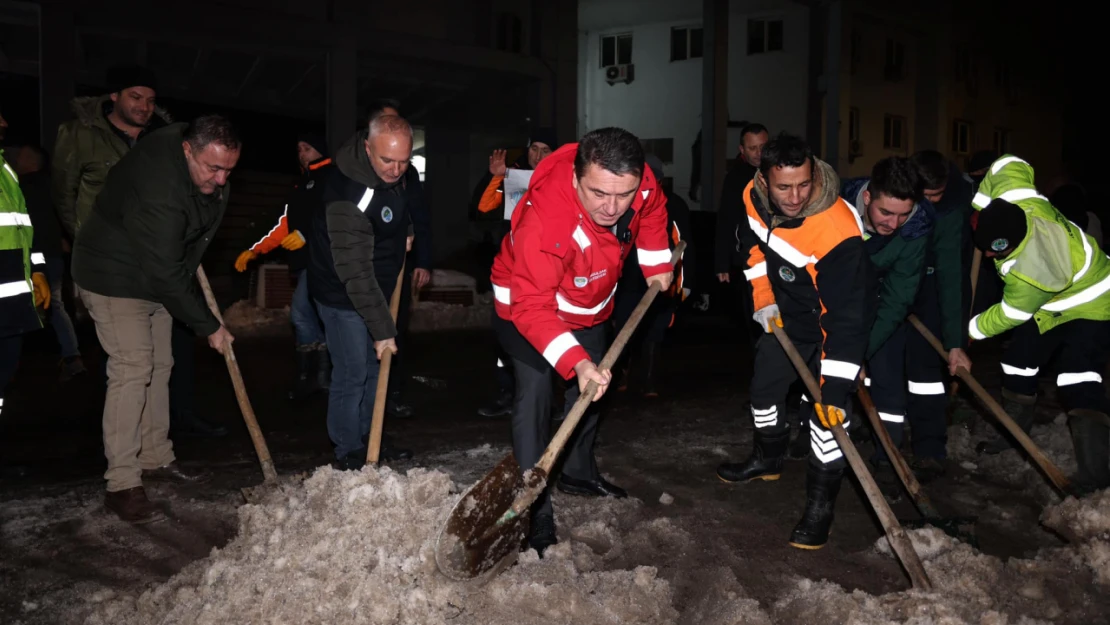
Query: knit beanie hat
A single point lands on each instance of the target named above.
(316, 140)
(545, 136)
(127, 76)
(1001, 226)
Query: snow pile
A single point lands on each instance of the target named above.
(357, 547)
(970, 588)
(1013, 466)
(246, 318)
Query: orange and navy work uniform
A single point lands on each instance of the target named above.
(303, 201)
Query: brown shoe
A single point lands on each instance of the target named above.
(173, 472)
(131, 505)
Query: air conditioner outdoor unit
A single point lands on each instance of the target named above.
(619, 73)
(274, 286)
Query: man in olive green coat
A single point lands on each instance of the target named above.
(135, 262)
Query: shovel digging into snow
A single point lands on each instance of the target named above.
(253, 494)
(1053, 472)
(895, 535)
(483, 533)
(953, 526)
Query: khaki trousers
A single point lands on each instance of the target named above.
(136, 336)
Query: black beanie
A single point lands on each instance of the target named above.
(126, 76)
(545, 136)
(316, 140)
(1001, 225)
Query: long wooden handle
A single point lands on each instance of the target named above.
(269, 474)
(896, 459)
(585, 398)
(1058, 479)
(894, 532)
(374, 449)
(976, 263)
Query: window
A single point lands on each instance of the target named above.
(961, 137)
(895, 60)
(855, 51)
(686, 43)
(764, 36)
(616, 50)
(894, 132)
(853, 124)
(663, 148)
(1001, 141)
(508, 32)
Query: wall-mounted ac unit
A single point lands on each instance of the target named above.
(619, 73)
(274, 286)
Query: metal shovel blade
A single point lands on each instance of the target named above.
(476, 539)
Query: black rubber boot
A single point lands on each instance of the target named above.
(651, 368)
(1091, 437)
(1022, 409)
(799, 447)
(541, 533)
(765, 463)
(305, 383)
(323, 367)
(822, 487)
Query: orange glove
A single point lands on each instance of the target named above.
(41, 289)
(293, 241)
(829, 416)
(244, 259)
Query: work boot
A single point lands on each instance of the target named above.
(185, 424)
(173, 472)
(131, 505)
(599, 487)
(306, 382)
(651, 368)
(541, 533)
(799, 447)
(353, 461)
(1091, 436)
(1022, 409)
(394, 407)
(822, 486)
(72, 366)
(500, 407)
(887, 480)
(323, 367)
(765, 462)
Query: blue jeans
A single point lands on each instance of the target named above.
(354, 378)
(302, 312)
(59, 318)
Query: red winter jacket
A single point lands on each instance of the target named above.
(558, 270)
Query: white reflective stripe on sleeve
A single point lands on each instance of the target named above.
(38, 259)
(1067, 379)
(981, 200)
(1014, 313)
(501, 294)
(867, 381)
(890, 417)
(839, 369)
(11, 289)
(1085, 296)
(559, 346)
(566, 306)
(500, 365)
(11, 171)
(1007, 266)
(580, 238)
(1027, 372)
(1088, 256)
(1017, 195)
(758, 271)
(364, 203)
(1002, 162)
(15, 219)
(926, 388)
(650, 258)
(973, 329)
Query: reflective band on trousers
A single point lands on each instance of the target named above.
(823, 443)
(1028, 372)
(892, 418)
(926, 388)
(765, 417)
(38, 259)
(1067, 379)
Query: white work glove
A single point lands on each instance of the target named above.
(766, 316)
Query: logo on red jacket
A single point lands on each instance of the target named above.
(581, 281)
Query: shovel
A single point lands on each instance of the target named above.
(253, 494)
(897, 538)
(483, 533)
(1051, 470)
(373, 449)
(953, 526)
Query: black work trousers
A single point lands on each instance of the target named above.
(184, 372)
(926, 378)
(1080, 349)
(531, 421)
(886, 382)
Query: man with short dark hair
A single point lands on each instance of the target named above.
(730, 211)
(809, 275)
(134, 261)
(554, 279)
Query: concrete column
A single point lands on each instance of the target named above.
(833, 55)
(57, 68)
(342, 86)
(714, 101)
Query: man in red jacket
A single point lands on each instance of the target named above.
(553, 283)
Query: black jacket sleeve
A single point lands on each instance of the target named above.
(842, 285)
(729, 212)
(352, 251)
(421, 220)
(947, 240)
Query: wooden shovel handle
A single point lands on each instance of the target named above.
(374, 448)
(1054, 474)
(896, 536)
(269, 474)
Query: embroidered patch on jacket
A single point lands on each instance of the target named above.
(999, 244)
(581, 281)
(387, 214)
(786, 273)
